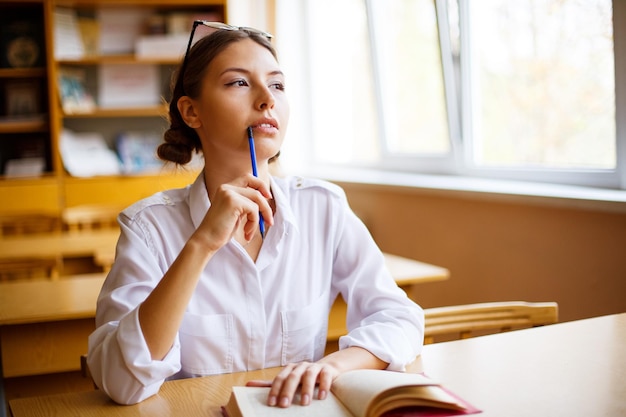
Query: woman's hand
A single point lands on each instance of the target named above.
(321, 373)
(305, 375)
(233, 205)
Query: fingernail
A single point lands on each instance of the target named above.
(305, 399)
(284, 402)
(322, 394)
(271, 401)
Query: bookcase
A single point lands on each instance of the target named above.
(25, 135)
(121, 54)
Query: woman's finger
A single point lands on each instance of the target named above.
(285, 385)
(308, 382)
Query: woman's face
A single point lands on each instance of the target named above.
(243, 87)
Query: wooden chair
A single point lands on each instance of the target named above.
(89, 217)
(29, 268)
(469, 320)
(28, 223)
(11, 225)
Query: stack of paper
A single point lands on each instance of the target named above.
(87, 155)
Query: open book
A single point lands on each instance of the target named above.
(359, 393)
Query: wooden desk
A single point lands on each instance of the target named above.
(575, 369)
(44, 324)
(406, 272)
(569, 369)
(54, 245)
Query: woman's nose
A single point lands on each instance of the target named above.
(265, 99)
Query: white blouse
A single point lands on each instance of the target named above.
(246, 315)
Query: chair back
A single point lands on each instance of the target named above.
(15, 225)
(89, 217)
(469, 320)
(28, 223)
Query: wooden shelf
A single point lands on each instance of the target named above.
(151, 111)
(144, 3)
(22, 72)
(45, 179)
(167, 172)
(23, 124)
(122, 190)
(118, 59)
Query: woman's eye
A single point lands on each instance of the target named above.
(238, 83)
(278, 86)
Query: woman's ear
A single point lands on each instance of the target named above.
(188, 112)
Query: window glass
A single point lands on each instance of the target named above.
(542, 83)
(344, 121)
(410, 76)
(377, 80)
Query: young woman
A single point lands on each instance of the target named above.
(196, 289)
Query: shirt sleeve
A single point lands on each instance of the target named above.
(381, 318)
(118, 356)
(121, 364)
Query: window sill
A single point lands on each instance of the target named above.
(587, 198)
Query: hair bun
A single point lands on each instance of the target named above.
(177, 148)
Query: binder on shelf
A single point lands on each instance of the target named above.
(161, 46)
(137, 152)
(89, 28)
(126, 86)
(180, 23)
(68, 43)
(21, 41)
(171, 42)
(23, 98)
(75, 98)
(120, 28)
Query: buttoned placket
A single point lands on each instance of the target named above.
(254, 294)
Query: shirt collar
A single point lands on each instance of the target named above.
(280, 189)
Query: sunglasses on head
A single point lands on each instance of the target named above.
(218, 26)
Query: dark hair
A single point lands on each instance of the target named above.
(181, 140)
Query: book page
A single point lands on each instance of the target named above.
(252, 402)
(360, 388)
(426, 396)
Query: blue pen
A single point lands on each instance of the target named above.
(254, 172)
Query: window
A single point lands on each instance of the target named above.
(407, 60)
(540, 86)
(493, 88)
